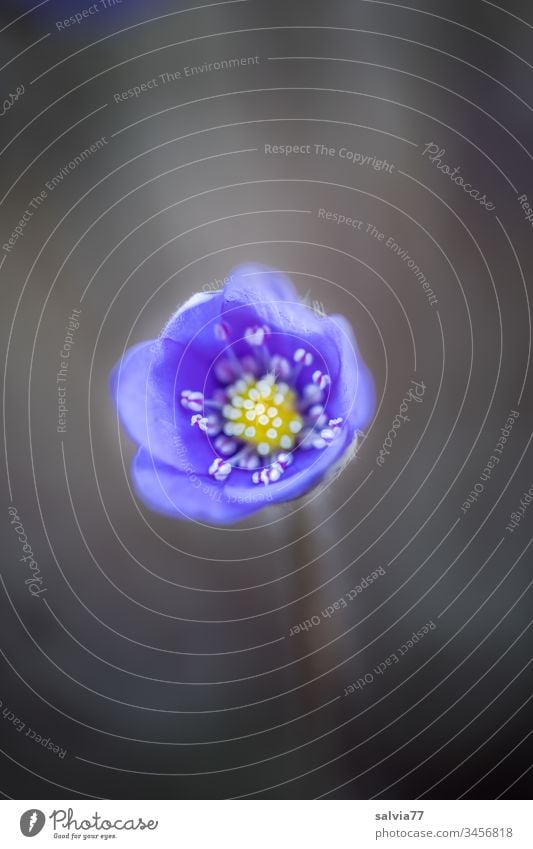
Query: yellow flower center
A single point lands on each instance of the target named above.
(262, 413)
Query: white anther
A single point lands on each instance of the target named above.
(303, 356)
(220, 469)
(256, 335)
(193, 401)
(199, 421)
(272, 473)
(260, 477)
(332, 431)
(322, 380)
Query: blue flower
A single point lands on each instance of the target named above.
(247, 398)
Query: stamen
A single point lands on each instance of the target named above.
(328, 434)
(312, 394)
(225, 445)
(284, 460)
(321, 379)
(280, 366)
(272, 473)
(231, 412)
(199, 421)
(316, 417)
(303, 356)
(246, 458)
(220, 469)
(315, 411)
(257, 336)
(309, 438)
(241, 386)
(250, 366)
(208, 424)
(232, 429)
(193, 401)
(222, 331)
(266, 476)
(220, 396)
(249, 459)
(236, 364)
(226, 371)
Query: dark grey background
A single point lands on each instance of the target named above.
(159, 656)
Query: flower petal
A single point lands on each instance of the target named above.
(191, 496)
(257, 295)
(252, 282)
(145, 385)
(353, 396)
(195, 322)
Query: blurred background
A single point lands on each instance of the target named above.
(153, 658)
